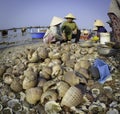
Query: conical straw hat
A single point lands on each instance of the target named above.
(98, 23)
(86, 32)
(70, 15)
(56, 21)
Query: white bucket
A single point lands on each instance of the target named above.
(104, 37)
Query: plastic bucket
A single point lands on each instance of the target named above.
(38, 35)
(104, 37)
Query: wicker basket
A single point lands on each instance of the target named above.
(72, 97)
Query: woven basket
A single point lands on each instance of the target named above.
(72, 97)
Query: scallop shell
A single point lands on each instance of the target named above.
(62, 88)
(33, 95)
(49, 95)
(72, 97)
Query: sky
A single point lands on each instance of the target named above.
(24, 13)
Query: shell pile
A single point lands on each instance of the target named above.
(55, 79)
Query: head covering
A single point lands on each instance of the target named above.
(98, 23)
(56, 21)
(115, 7)
(70, 15)
(86, 32)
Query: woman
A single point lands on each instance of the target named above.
(53, 33)
(69, 29)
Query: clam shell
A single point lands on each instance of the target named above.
(33, 95)
(72, 97)
(33, 57)
(84, 64)
(62, 88)
(71, 78)
(47, 85)
(49, 95)
(41, 82)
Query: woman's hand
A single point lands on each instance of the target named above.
(64, 36)
(75, 31)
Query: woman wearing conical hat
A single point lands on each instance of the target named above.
(100, 26)
(53, 33)
(69, 29)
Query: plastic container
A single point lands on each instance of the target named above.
(104, 37)
(38, 34)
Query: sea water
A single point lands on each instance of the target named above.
(15, 38)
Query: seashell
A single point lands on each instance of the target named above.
(22, 96)
(95, 92)
(33, 95)
(91, 50)
(7, 110)
(9, 70)
(11, 95)
(71, 78)
(62, 88)
(48, 85)
(8, 78)
(52, 107)
(16, 86)
(54, 55)
(47, 70)
(84, 64)
(30, 79)
(97, 107)
(56, 61)
(77, 111)
(65, 57)
(70, 63)
(42, 52)
(2, 70)
(84, 72)
(72, 97)
(18, 69)
(33, 57)
(112, 111)
(83, 51)
(49, 95)
(1, 107)
(56, 70)
(44, 75)
(15, 105)
(117, 97)
(41, 82)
